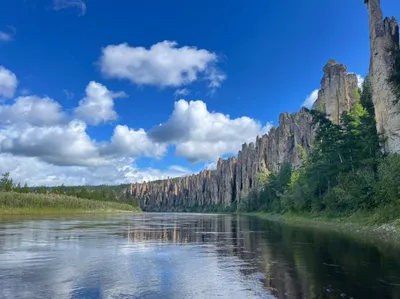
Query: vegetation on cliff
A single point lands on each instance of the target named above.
(15, 199)
(345, 173)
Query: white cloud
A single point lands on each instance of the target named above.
(210, 166)
(200, 135)
(40, 144)
(98, 105)
(163, 64)
(311, 98)
(360, 80)
(60, 145)
(8, 83)
(126, 141)
(32, 110)
(267, 128)
(181, 92)
(64, 4)
(118, 171)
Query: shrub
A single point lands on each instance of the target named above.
(388, 188)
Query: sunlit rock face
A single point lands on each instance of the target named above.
(338, 90)
(384, 37)
(289, 142)
(233, 177)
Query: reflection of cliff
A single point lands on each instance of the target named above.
(295, 262)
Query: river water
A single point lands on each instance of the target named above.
(166, 255)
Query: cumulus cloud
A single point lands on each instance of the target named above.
(163, 64)
(126, 141)
(200, 135)
(64, 4)
(59, 145)
(70, 145)
(98, 105)
(36, 172)
(8, 83)
(42, 144)
(311, 98)
(32, 110)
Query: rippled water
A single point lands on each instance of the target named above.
(187, 256)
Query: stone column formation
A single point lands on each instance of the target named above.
(384, 36)
(337, 90)
(234, 177)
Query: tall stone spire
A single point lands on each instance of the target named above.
(384, 36)
(337, 90)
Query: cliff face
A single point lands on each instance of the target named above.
(337, 93)
(384, 36)
(234, 177)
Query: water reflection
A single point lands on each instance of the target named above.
(187, 256)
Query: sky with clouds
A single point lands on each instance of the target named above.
(93, 92)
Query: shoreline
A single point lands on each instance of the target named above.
(355, 226)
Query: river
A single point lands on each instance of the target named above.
(167, 255)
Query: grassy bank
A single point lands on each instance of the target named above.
(382, 224)
(31, 203)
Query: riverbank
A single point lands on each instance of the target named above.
(366, 226)
(13, 203)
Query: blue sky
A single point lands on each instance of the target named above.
(87, 83)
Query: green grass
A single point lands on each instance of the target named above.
(381, 224)
(31, 203)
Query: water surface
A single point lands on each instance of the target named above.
(187, 256)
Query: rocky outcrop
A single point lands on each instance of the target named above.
(233, 177)
(338, 90)
(384, 37)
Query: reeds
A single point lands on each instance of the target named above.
(33, 203)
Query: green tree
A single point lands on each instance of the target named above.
(6, 183)
(25, 189)
(18, 188)
(41, 190)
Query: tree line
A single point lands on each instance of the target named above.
(345, 172)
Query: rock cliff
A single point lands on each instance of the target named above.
(291, 140)
(337, 93)
(384, 37)
(234, 177)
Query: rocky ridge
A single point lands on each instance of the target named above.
(384, 37)
(291, 140)
(234, 177)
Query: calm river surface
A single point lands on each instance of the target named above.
(187, 256)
